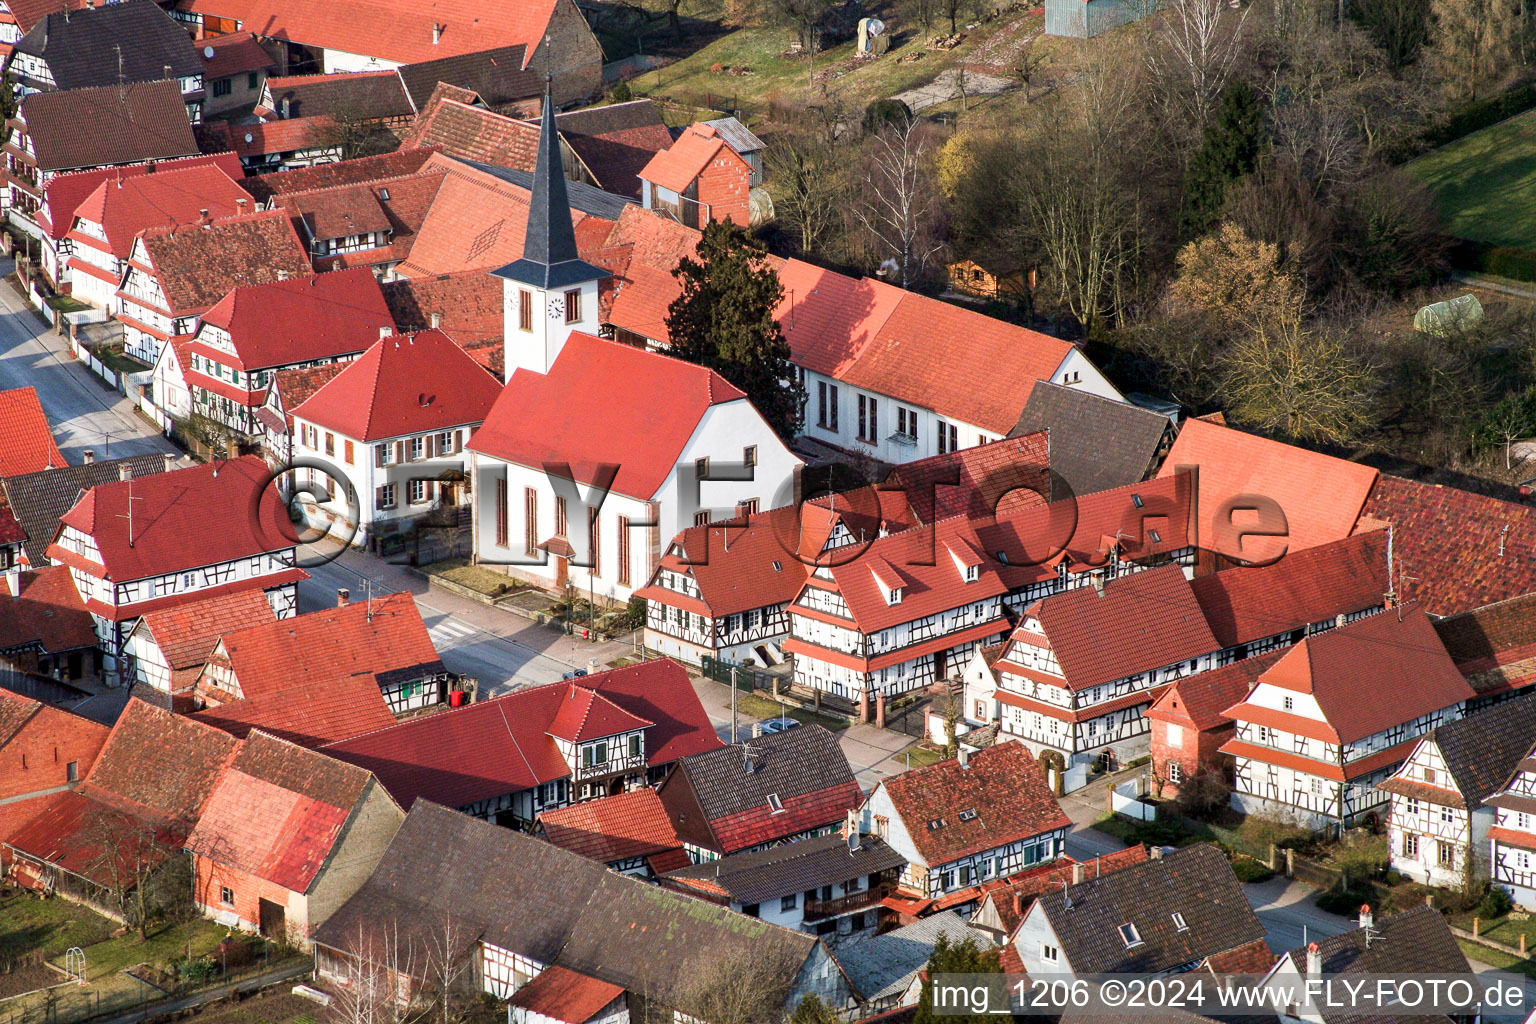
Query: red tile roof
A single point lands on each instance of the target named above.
(1394, 656)
(1321, 496)
(1004, 785)
(158, 765)
(278, 811)
(29, 12)
(198, 265)
(65, 192)
(341, 172)
(288, 136)
(393, 30)
(762, 824)
(364, 638)
(613, 828)
(171, 513)
(187, 634)
(398, 205)
(677, 168)
(404, 384)
(1253, 958)
(94, 839)
(563, 995)
(1014, 895)
(583, 413)
(586, 714)
(310, 713)
(468, 305)
(475, 133)
(299, 320)
(1143, 621)
(233, 54)
(295, 386)
(1455, 550)
(615, 155)
(26, 439)
(47, 611)
(985, 480)
(1202, 700)
(1311, 585)
(169, 197)
(502, 745)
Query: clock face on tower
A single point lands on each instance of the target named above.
(557, 308)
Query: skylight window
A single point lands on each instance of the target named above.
(1136, 500)
(935, 824)
(778, 566)
(1130, 935)
(775, 803)
(1002, 556)
(384, 194)
(1157, 538)
(968, 815)
(1179, 923)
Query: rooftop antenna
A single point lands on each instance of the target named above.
(1502, 535)
(129, 515)
(121, 78)
(1066, 895)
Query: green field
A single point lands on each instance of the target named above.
(1485, 184)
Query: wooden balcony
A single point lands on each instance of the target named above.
(816, 910)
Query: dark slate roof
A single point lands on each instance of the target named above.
(1096, 443)
(38, 499)
(1196, 882)
(535, 899)
(791, 763)
(81, 48)
(357, 96)
(129, 124)
(549, 257)
(884, 965)
(1481, 751)
(579, 194)
(793, 868)
(609, 118)
(1417, 941)
(496, 76)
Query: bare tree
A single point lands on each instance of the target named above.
(447, 957)
(1200, 43)
(808, 187)
(1290, 377)
(378, 976)
(127, 855)
(750, 989)
(1028, 65)
(898, 202)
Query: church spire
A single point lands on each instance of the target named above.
(549, 259)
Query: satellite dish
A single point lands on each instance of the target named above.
(208, 52)
(249, 137)
(876, 26)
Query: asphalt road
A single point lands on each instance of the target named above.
(84, 413)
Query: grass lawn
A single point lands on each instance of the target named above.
(476, 577)
(164, 944)
(921, 757)
(1495, 958)
(29, 922)
(752, 706)
(1485, 184)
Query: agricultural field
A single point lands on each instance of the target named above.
(1485, 183)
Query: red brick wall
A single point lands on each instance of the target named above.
(209, 878)
(723, 187)
(1199, 752)
(37, 758)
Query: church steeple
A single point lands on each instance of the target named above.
(551, 291)
(549, 259)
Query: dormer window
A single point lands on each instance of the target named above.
(972, 573)
(893, 595)
(969, 814)
(775, 804)
(1179, 922)
(935, 824)
(1129, 935)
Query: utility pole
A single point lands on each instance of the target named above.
(733, 705)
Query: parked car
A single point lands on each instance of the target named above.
(575, 673)
(780, 725)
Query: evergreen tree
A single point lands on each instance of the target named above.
(966, 957)
(1230, 150)
(812, 1009)
(724, 320)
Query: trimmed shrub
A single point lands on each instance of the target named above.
(1248, 870)
(883, 112)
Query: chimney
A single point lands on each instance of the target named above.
(89, 456)
(203, 218)
(1314, 960)
(964, 757)
(343, 595)
(282, 108)
(1077, 874)
(282, 275)
(170, 461)
(435, 321)
(149, 167)
(385, 332)
(167, 70)
(1155, 852)
(125, 472)
(1366, 918)
(240, 205)
(757, 730)
(1018, 904)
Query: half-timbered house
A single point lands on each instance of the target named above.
(511, 757)
(139, 545)
(900, 611)
(169, 647)
(1438, 828)
(383, 637)
(769, 790)
(629, 832)
(1083, 665)
(1338, 713)
(964, 821)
